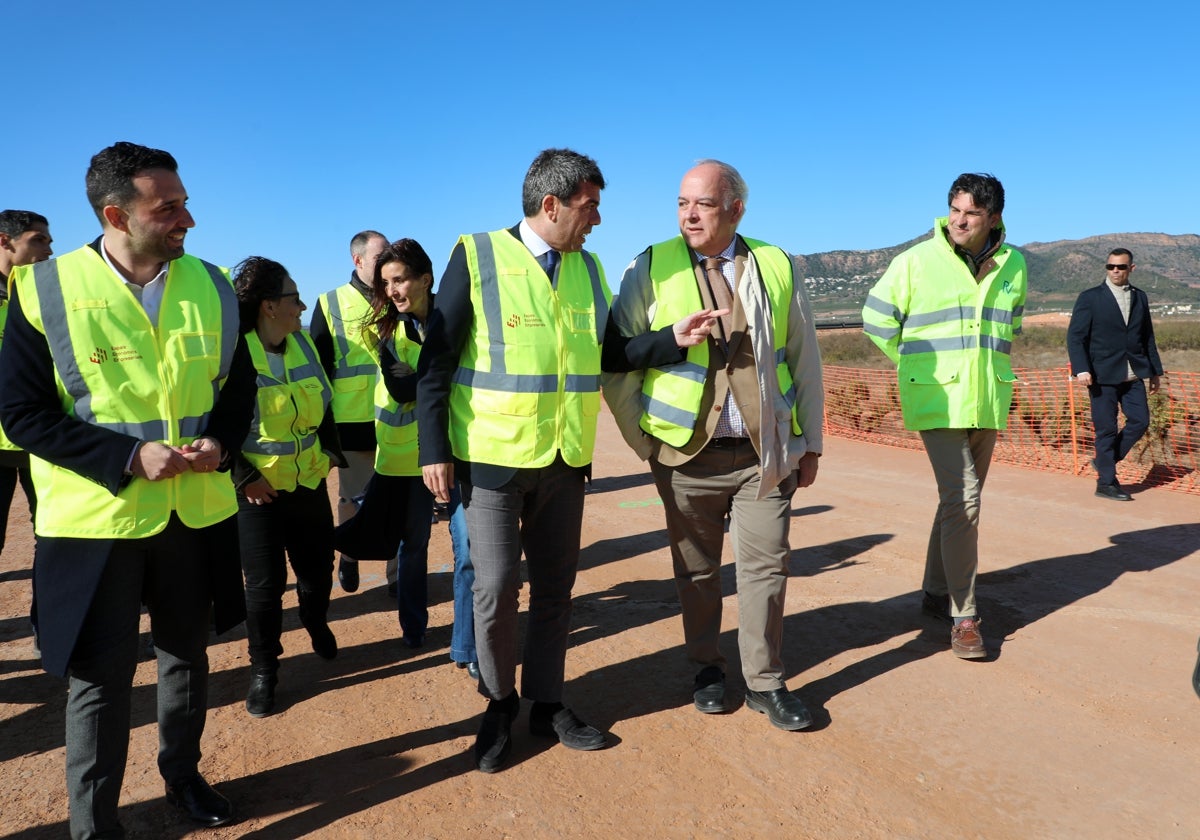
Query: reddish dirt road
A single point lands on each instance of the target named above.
(1082, 722)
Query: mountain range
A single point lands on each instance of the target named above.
(1167, 268)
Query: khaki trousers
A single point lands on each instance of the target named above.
(960, 460)
(698, 496)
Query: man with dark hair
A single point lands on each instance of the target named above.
(24, 240)
(945, 312)
(507, 404)
(137, 506)
(350, 359)
(1111, 345)
(723, 396)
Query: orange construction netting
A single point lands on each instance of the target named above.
(1049, 426)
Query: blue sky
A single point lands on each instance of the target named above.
(296, 125)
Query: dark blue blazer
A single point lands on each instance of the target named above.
(68, 569)
(1102, 344)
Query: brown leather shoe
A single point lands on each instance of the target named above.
(965, 640)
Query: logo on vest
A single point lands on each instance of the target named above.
(119, 353)
(515, 321)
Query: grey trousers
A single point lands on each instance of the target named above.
(960, 460)
(539, 512)
(698, 496)
(167, 572)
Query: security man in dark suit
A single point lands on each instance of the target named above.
(1111, 345)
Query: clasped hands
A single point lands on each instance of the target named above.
(156, 461)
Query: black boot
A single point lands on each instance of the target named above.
(263, 629)
(260, 699)
(314, 610)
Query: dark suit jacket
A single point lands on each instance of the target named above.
(68, 569)
(1100, 343)
(445, 338)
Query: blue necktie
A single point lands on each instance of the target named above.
(549, 261)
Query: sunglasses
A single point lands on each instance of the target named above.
(295, 295)
(1117, 266)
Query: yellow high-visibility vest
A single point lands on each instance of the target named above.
(282, 443)
(948, 334)
(115, 369)
(672, 393)
(528, 383)
(355, 367)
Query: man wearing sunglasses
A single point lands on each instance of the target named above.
(1111, 345)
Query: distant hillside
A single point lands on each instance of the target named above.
(1168, 268)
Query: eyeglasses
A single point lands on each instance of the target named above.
(296, 295)
(1116, 266)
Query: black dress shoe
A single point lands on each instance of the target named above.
(200, 802)
(260, 699)
(324, 644)
(494, 741)
(1113, 491)
(785, 709)
(553, 720)
(413, 641)
(348, 574)
(709, 692)
(472, 668)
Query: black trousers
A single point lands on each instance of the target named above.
(14, 467)
(1113, 443)
(169, 573)
(298, 524)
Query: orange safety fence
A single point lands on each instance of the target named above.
(1049, 426)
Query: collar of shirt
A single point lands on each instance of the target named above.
(162, 269)
(1123, 289)
(149, 296)
(536, 245)
(727, 266)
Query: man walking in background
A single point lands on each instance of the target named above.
(351, 361)
(1111, 345)
(24, 240)
(945, 312)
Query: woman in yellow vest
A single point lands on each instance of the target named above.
(397, 509)
(283, 505)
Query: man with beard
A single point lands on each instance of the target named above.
(125, 377)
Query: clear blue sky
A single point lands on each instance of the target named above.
(298, 124)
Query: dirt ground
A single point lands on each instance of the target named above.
(1081, 723)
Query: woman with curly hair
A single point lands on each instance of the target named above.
(283, 504)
